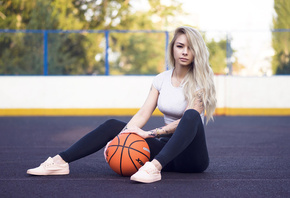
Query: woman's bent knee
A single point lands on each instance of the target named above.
(114, 123)
(191, 114)
(111, 122)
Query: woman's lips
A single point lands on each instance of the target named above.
(183, 59)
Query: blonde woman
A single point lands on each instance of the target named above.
(182, 94)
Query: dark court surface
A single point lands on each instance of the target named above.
(249, 157)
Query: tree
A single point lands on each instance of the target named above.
(281, 40)
(137, 53)
(23, 52)
(13, 50)
(218, 55)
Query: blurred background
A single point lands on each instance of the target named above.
(118, 37)
(89, 57)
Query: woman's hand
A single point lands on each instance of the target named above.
(138, 131)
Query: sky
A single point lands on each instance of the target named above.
(247, 22)
(231, 15)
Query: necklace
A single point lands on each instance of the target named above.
(180, 82)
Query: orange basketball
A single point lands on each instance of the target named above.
(127, 153)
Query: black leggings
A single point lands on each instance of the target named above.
(185, 151)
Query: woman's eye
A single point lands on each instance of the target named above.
(179, 46)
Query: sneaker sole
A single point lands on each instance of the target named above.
(45, 174)
(145, 181)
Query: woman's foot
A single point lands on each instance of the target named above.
(50, 167)
(147, 174)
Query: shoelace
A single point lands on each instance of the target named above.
(149, 170)
(47, 163)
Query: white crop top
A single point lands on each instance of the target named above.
(171, 100)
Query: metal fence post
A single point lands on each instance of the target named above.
(166, 47)
(45, 54)
(229, 54)
(107, 66)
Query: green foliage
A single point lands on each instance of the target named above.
(140, 53)
(18, 54)
(218, 55)
(23, 53)
(83, 53)
(281, 40)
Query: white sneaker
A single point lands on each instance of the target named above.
(147, 174)
(49, 167)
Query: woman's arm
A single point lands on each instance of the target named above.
(143, 115)
(139, 120)
(165, 130)
(197, 105)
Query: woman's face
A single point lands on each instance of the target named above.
(183, 56)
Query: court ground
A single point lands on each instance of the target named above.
(249, 157)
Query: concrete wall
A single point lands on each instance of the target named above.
(253, 95)
(99, 95)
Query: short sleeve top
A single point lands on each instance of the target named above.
(171, 101)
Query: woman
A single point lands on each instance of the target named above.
(182, 94)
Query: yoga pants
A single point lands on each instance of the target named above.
(185, 151)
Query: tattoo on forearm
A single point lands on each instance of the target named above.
(152, 133)
(198, 102)
(158, 132)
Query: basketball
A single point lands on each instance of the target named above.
(127, 153)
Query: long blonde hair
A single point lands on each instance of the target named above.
(200, 75)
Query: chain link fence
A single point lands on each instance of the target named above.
(124, 52)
